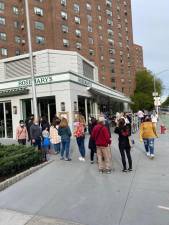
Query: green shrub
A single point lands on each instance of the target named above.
(16, 158)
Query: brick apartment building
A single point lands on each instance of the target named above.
(100, 30)
(138, 54)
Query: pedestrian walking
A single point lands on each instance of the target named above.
(147, 135)
(65, 133)
(140, 115)
(154, 118)
(46, 143)
(55, 137)
(21, 133)
(101, 136)
(36, 134)
(92, 144)
(79, 133)
(124, 144)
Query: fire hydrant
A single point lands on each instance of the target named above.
(162, 129)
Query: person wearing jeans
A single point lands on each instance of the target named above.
(65, 133)
(147, 135)
(79, 133)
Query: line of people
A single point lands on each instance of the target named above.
(58, 136)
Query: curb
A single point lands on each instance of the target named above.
(7, 183)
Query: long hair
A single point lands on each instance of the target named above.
(121, 123)
(63, 123)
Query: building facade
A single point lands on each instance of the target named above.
(138, 54)
(66, 85)
(99, 30)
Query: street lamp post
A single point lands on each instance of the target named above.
(35, 110)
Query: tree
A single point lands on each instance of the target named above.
(142, 98)
(166, 102)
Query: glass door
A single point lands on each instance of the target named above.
(2, 123)
(6, 128)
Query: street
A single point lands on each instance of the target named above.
(64, 193)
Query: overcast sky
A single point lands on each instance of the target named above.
(151, 30)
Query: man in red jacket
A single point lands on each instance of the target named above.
(101, 136)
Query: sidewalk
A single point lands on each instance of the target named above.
(65, 193)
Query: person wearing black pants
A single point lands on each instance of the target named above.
(92, 144)
(124, 145)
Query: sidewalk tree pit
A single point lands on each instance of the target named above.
(17, 158)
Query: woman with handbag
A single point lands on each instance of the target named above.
(124, 145)
(79, 133)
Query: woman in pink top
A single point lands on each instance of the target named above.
(21, 133)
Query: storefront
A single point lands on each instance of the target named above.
(62, 93)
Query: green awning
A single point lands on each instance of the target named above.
(13, 92)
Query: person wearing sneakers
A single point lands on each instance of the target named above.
(101, 136)
(124, 145)
(147, 135)
(79, 133)
(65, 133)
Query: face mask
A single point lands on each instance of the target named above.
(36, 123)
(22, 124)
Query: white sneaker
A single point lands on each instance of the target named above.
(152, 156)
(148, 154)
(80, 158)
(83, 159)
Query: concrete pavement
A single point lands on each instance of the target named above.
(74, 192)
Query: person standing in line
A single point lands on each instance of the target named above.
(44, 123)
(65, 133)
(124, 145)
(101, 136)
(140, 115)
(36, 134)
(29, 123)
(54, 136)
(21, 133)
(147, 135)
(154, 118)
(92, 144)
(79, 133)
(46, 143)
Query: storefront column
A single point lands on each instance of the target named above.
(125, 106)
(96, 109)
(86, 112)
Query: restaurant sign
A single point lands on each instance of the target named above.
(38, 81)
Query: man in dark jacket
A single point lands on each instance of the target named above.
(35, 134)
(101, 136)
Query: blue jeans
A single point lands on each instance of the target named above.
(80, 143)
(65, 147)
(57, 147)
(149, 145)
(37, 143)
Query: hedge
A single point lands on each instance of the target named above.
(16, 158)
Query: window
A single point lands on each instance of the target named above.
(90, 29)
(65, 28)
(4, 52)
(78, 33)
(17, 52)
(17, 39)
(109, 22)
(40, 40)
(110, 33)
(39, 25)
(76, 8)
(88, 6)
(65, 42)
(2, 6)
(108, 3)
(39, 0)
(98, 7)
(16, 24)
(100, 27)
(2, 20)
(101, 37)
(111, 42)
(64, 15)
(108, 12)
(38, 11)
(91, 41)
(91, 52)
(112, 51)
(2, 36)
(63, 2)
(89, 19)
(78, 45)
(100, 18)
(77, 20)
(101, 57)
(15, 10)
(112, 61)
